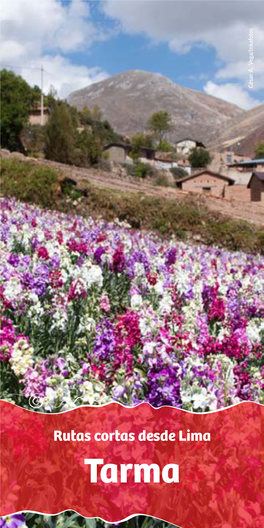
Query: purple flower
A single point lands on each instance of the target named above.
(13, 260)
(12, 521)
(104, 343)
(98, 254)
(170, 257)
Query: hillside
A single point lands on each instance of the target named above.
(128, 99)
(244, 132)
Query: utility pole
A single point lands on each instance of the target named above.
(42, 99)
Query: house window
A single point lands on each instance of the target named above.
(206, 190)
(229, 158)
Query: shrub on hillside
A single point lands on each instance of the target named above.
(161, 180)
(139, 169)
(178, 172)
(28, 182)
(199, 158)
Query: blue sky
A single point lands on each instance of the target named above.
(199, 44)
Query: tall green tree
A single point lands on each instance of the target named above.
(160, 124)
(199, 158)
(17, 98)
(259, 152)
(60, 135)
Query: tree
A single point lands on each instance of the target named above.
(138, 141)
(17, 97)
(60, 135)
(89, 149)
(199, 157)
(165, 146)
(160, 123)
(259, 152)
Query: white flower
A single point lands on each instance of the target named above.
(13, 288)
(148, 348)
(254, 331)
(49, 399)
(200, 399)
(90, 274)
(159, 287)
(136, 301)
(21, 359)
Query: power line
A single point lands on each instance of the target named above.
(41, 69)
(23, 67)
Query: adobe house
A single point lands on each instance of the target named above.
(164, 160)
(256, 186)
(35, 115)
(241, 171)
(184, 146)
(205, 182)
(119, 153)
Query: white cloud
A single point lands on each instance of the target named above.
(233, 93)
(239, 70)
(223, 25)
(35, 32)
(63, 75)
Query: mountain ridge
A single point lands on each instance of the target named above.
(128, 99)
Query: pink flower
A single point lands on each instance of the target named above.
(104, 303)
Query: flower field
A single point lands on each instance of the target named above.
(94, 312)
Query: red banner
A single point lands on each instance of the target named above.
(193, 470)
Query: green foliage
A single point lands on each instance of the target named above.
(160, 123)
(259, 152)
(178, 172)
(69, 189)
(141, 170)
(33, 139)
(165, 146)
(29, 182)
(199, 157)
(89, 149)
(60, 135)
(173, 217)
(17, 97)
(91, 119)
(69, 519)
(138, 141)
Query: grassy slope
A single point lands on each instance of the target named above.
(185, 219)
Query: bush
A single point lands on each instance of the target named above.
(28, 182)
(199, 158)
(141, 170)
(165, 146)
(178, 172)
(161, 180)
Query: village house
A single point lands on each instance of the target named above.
(241, 171)
(221, 160)
(117, 152)
(120, 153)
(205, 182)
(256, 186)
(35, 115)
(184, 146)
(164, 160)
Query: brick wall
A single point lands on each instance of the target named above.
(199, 184)
(237, 192)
